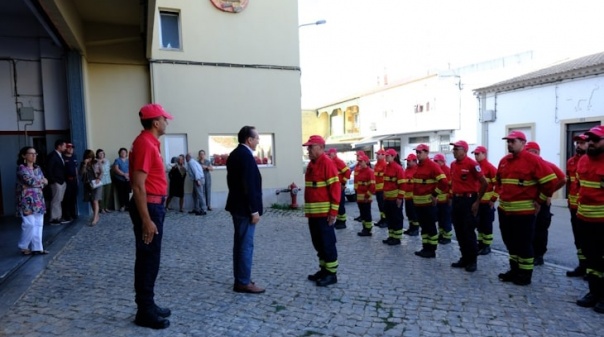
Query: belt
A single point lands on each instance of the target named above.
(464, 195)
(156, 199)
(70, 178)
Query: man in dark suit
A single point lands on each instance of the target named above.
(244, 202)
(55, 173)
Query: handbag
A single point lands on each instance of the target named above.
(93, 184)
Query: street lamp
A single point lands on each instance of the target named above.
(316, 23)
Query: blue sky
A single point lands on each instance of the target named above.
(362, 39)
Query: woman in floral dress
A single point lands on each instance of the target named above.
(30, 201)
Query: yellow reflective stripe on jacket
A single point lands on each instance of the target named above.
(315, 184)
(519, 182)
(590, 184)
(424, 181)
(440, 177)
(573, 179)
(379, 186)
(391, 194)
(542, 197)
(591, 211)
(442, 197)
(517, 206)
(317, 207)
(487, 195)
(547, 178)
(572, 199)
(422, 199)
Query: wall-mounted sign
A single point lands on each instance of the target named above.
(230, 6)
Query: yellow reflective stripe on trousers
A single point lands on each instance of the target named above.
(332, 267)
(517, 206)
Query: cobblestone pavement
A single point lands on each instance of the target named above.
(86, 290)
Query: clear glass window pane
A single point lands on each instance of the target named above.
(220, 146)
(169, 31)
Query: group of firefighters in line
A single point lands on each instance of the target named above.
(462, 198)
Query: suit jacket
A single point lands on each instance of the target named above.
(55, 168)
(244, 182)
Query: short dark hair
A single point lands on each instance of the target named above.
(147, 123)
(99, 151)
(245, 133)
(122, 149)
(59, 142)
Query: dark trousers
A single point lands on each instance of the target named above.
(70, 199)
(542, 223)
(393, 217)
(517, 232)
(578, 236)
(593, 249)
(444, 219)
(243, 249)
(486, 216)
(146, 265)
(427, 221)
(123, 192)
(465, 225)
(323, 239)
(366, 219)
(379, 197)
(411, 213)
(342, 209)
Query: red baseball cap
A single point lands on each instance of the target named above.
(516, 135)
(480, 149)
(439, 156)
(332, 150)
(364, 158)
(380, 151)
(391, 152)
(596, 131)
(69, 145)
(360, 153)
(580, 138)
(314, 140)
(532, 146)
(411, 156)
(461, 143)
(422, 147)
(153, 110)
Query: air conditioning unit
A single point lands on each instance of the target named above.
(372, 127)
(488, 116)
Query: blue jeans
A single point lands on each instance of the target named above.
(146, 266)
(243, 249)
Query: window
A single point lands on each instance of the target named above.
(169, 30)
(221, 145)
(419, 140)
(174, 145)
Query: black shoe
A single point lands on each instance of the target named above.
(340, 224)
(508, 276)
(327, 279)
(444, 241)
(521, 280)
(162, 312)
(64, 221)
(316, 276)
(382, 224)
(55, 222)
(411, 232)
(459, 264)
(471, 267)
(599, 307)
(201, 213)
(538, 261)
(150, 319)
(358, 218)
(392, 241)
(426, 253)
(364, 232)
(588, 301)
(578, 272)
(193, 212)
(485, 250)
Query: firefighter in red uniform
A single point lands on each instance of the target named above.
(394, 194)
(355, 171)
(443, 205)
(524, 182)
(590, 217)
(365, 182)
(573, 195)
(343, 176)
(380, 165)
(427, 183)
(468, 187)
(544, 217)
(486, 209)
(322, 194)
(413, 229)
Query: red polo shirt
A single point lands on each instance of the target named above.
(465, 175)
(145, 156)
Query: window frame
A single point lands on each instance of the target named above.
(176, 13)
(265, 147)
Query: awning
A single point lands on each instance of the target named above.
(365, 144)
(341, 147)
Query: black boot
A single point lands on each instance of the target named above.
(340, 224)
(364, 232)
(314, 277)
(593, 296)
(577, 272)
(510, 274)
(523, 277)
(412, 231)
(149, 318)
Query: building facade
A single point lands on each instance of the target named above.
(80, 70)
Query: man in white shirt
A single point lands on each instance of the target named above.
(196, 174)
